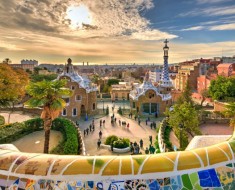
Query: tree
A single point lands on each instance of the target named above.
(230, 112)
(186, 96)
(6, 61)
(204, 94)
(222, 88)
(48, 95)
(12, 86)
(186, 115)
(112, 81)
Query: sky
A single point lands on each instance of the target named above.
(115, 31)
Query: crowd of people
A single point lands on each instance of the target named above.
(135, 147)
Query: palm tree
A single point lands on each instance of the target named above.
(48, 95)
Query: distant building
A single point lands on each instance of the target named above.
(228, 59)
(226, 69)
(149, 99)
(33, 62)
(120, 91)
(187, 73)
(83, 100)
(29, 67)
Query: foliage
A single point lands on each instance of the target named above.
(184, 114)
(120, 111)
(39, 78)
(48, 94)
(112, 81)
(66, 127)
(110, 139)
(14, 131)
(230, 112)
(12, 85)
(121, 143)
(106, 88)
(186, 95)
(166, 138)
(222, 88)
(34, 124)
(2, 120)
(205, 94)
(117, 142)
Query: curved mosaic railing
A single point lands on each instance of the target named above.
(211, 167)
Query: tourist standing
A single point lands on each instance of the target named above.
(93, 127)
(128, 125)
(90, 126)
(100, 134)
(146, 150)
(141, 143)
(84, 132)
(87, 131)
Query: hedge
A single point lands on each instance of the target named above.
(14, 131)
(71, 143)
(2, 120)
(110, 139)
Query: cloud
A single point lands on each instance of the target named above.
(193, 28)
(223, 27)
(211, 1)
(152, 35)
(212, 11)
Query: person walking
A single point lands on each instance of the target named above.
(90, 127)
(151, 139)
(135, 117)
(98, 144)
(146, 122)
(141, 143)
(100, 123)
(128, 125)
(151, 125)
(139, 121)
(100, 134)
(84, 132)
(87, 131)
(93, 127)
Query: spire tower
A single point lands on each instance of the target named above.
(165, 80)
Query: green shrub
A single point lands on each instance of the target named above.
(121, 143)
(166, 137)
(12, 132)
(2, 120)
(34, 124)
(70, 134)
(110, 139)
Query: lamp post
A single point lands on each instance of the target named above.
(181, 128)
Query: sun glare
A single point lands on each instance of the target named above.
(78, 15)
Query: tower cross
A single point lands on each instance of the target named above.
(166, 41)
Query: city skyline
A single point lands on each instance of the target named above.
(111, 31)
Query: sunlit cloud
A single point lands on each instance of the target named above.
(193, 28)
(223, 27)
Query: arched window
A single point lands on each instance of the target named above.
(78, 97)
(74, 111)
(64, 112)
(72, 87)
(94, 106)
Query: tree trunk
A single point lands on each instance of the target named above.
(47, 128)
(12, 110)
(47, 141)
(203, 99)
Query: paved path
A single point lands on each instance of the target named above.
(34, 142)
(17, 116)
(135, 132)
(207, 129)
